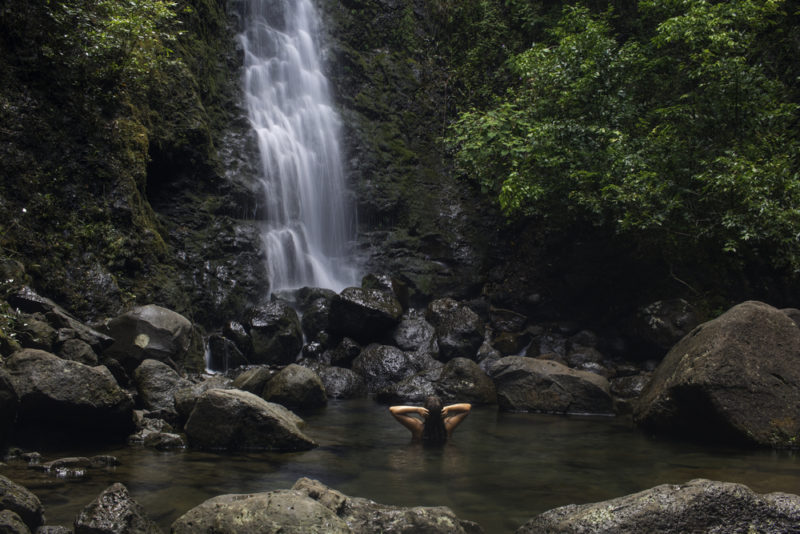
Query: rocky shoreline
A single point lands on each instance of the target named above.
(140, 378)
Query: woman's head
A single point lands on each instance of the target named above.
(434, 430)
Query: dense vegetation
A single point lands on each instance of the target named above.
(673, 125)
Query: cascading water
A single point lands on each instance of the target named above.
(310, 224)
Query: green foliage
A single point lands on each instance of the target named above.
(683, 139)
(112, 42)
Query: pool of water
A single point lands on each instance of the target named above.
(499, 470)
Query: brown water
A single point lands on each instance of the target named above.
(499, 470)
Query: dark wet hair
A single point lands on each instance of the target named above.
(433, 430)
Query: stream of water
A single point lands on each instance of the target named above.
(499, 470)
(311, 224)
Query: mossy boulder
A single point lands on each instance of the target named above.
(734, 379)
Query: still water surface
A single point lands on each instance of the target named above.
(499, 470)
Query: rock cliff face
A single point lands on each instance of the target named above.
(117, 195)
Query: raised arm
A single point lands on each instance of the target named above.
(405, 416)
(454, 414)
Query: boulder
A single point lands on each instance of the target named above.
(503, 320)
(311, 507)
(658, 326)
(528, 384)
(11, 523)
(114, 512)
(316, 318)
(366, 315)
(77, 350)
(253, 379)
(22, 502)
(511, 343)
(793, 314)
(237, 333)
(36, 334)
(238, 420)
(343, 354)
(415, 333)
(459, 330)
(157, 383)
(28, 301)
(364, 516)
(382, 365)
(384, 282)
(275, 512)
(152, 332)
(276, 334)
(223, 354)
(547, 343)
(68, 397)
(460, 380)
(9, 404)
(341, 383)
(295, 386)
(697, 506)
(733, 379)
(186, 398)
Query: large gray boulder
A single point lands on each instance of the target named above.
(276, 512)
(459, 330)
(224, 354)
(68, 397)
(157, 384)
(415, 333)
(366, 315)
(22, 502)
(697, 506)
(546, 386)
(237, 420)
(364, 516)
(313, 508)
(295, 386)
(276, 334)
(735, 378)
(115, 512)
(152, 332)
(460, 380)
(186, 397)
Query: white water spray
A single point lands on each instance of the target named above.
(310, 225)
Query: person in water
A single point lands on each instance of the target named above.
(435, 423)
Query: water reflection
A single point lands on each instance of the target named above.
(499, 469)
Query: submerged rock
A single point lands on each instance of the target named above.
(68, 397)
(528, 384)
(22, 502)
(697, 506)
(114, 511)
(735, 378)
(296, 387)
(238, 420)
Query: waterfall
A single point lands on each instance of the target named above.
(310, 223)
